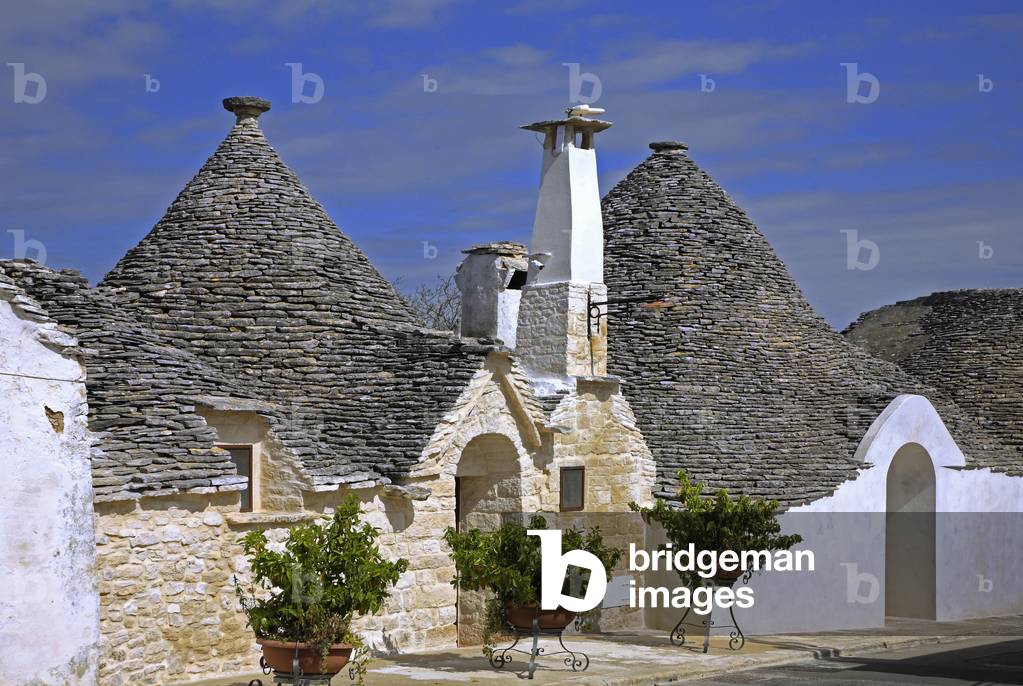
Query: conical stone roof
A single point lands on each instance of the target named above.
(247, 273)
(968, 342)
(732, 375)
(246, 229)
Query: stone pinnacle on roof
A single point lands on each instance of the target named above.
(669, 146)
(246, 106)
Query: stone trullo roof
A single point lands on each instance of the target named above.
(969, 343)
(732, 375)
(141, 393)
(249, 292)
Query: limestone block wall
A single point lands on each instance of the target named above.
(552, 335)
(49, 615)
(599, 433)
(169, 612)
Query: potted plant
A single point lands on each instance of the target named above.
(506, 562)
(719, 523)
(304, 597)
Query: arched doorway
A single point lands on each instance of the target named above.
(910, 535)
(488, 486)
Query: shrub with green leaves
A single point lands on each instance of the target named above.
(506, 562)
(325, 576)
(717, 523)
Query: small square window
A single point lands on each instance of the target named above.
(573, 488)
(241, 455)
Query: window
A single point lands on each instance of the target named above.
(241, 455)
(518, 280)
(573, 488)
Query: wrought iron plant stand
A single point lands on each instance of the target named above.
(736, 639)
(295, 677)
(575, 659)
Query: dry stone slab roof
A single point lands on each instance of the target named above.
(246, 290)
(968, 342)
(141, 390)
(731, 374)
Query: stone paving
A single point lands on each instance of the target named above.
(647, 658)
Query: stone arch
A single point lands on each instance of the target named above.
(488, 488)
(909, 419)
(910, 535)
(488, 481)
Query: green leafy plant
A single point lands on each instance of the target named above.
(325, 576)
(717, 523)
(506, 563)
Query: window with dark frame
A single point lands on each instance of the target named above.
(573, 488)
(241, 455)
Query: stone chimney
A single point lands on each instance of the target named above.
(490, 280)
(556, 342)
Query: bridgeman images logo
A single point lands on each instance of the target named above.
(706, 564)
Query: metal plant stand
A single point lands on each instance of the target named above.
(575, 659)
(295, 677)
(736, 639)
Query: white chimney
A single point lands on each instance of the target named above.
(490, 280)
(566, 261)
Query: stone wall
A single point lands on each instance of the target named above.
(552, 336)
(169, 612)
(598, 431)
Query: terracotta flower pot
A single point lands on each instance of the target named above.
(279, 656)
(521, 617)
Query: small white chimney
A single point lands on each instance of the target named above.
(490, 280)
(556, 340)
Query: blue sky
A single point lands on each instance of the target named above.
(925, 171)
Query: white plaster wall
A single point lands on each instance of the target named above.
(49, 608)
(568, 222)
(848, 528)
(488, 309)
(508, 316)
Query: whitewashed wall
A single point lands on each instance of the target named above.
(979, 531)
(49, 614)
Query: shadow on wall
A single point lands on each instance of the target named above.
(910, 535)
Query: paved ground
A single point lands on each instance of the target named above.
(915, 653)
(988, 661)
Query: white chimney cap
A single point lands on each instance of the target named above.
(584, 111)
